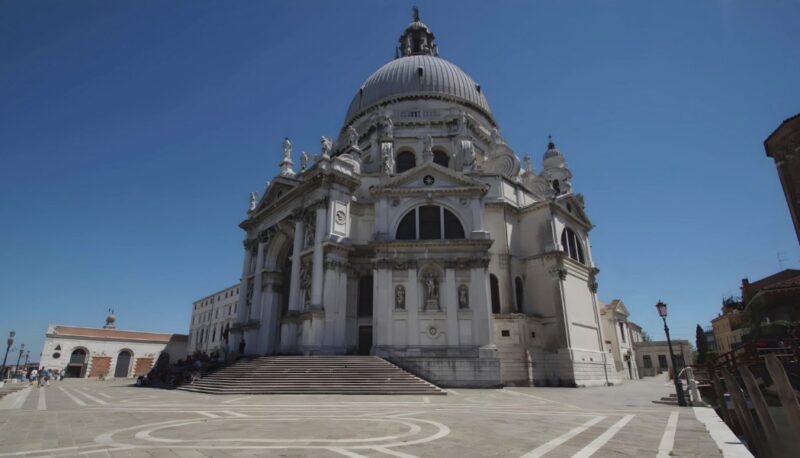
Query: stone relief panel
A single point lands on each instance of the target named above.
(340, 218)
(305, 283)
(309, 223)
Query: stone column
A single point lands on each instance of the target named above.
(412, 306)
(480, 302)
(253, 336)
(317, 267)
(451, 306)
(478, 229)
(295, 301)
(241, 313)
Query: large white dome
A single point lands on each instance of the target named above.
(417, 76)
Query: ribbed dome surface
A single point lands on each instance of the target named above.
(401, 77)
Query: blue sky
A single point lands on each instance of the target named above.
(132, 132)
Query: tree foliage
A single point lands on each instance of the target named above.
(701, 344)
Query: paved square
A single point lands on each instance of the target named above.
(90, 418)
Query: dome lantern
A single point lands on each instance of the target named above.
(417, 39)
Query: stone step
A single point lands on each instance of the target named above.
(313, 375)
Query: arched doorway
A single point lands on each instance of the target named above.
(494, 285)
(123, 364)
(77, 363)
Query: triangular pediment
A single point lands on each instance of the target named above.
(574, 207)
(275, 191)
(619, 307)
(433, 176)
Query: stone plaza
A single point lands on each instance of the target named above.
(91, 418)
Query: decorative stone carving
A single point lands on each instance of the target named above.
(463, 297)
(385, 127)
(427, 148)
(400, 297)
(286, 164)
(352, 137)
(559, 272)
(253, 200)
(468, 153)
(387, 156)
(462, 123)
(309, 222)
(326, 147)
(304, 158)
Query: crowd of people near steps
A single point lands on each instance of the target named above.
(186, 371)
(42, 376)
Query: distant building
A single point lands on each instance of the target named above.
(653, 358)
(711, 341)
(212, 318)
(773, 298)
(107, 352)
(729, 329)
(783, 146)
(618, 338)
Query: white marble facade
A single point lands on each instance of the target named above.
(419, 235)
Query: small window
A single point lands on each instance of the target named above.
(494, 286)
(441, 158)
(662, 361)
(622, 330)
(58, 347)
(56, 355)
(533, 335)
(505, 333)
(648, 361)
(520, 294)
(405, 161)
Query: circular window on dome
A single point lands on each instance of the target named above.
(56, 355)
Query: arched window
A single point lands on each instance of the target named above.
(429, 222)
(520, 294)
(572, 245)
(494, 285)
(405, 161)
(441, 158)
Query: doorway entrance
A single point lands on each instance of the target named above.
(123, 364)
(364, 340)
(77, 364)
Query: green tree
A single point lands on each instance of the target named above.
(701, 344)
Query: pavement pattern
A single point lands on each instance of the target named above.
(113, 418)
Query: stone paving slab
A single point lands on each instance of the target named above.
(113, 419)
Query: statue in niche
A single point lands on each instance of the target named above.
(468, 152)
(352, 137)
(287, 149)
(427, 145)
(462, 122)
(309, 228)
(305, 283)
(253, 200)
(431, 293)
(303, 160)
(496, 138)
(400, 297)
(326, 147)
(463, 297)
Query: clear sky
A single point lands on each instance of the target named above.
(132, 132)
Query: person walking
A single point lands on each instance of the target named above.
(34, 375)
(241, 347)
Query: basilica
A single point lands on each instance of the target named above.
(419, 236)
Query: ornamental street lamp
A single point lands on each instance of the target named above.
(662, 312)
(27, 355)
(21, 351)
(9, 343)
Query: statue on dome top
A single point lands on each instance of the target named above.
(303, 160)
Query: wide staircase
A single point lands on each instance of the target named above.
(312, 375)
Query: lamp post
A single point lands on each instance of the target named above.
(27, 355)
(9, 343)
(21, 351)
(662, 312)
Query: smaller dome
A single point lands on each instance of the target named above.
(553, 157)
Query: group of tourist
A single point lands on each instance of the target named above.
(42, 376)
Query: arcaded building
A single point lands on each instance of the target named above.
(419, 235)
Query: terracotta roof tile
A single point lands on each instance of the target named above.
(118, 334)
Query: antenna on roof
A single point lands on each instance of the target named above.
(416, 13)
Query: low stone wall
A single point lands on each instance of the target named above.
(575, 368)
(453, 372)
